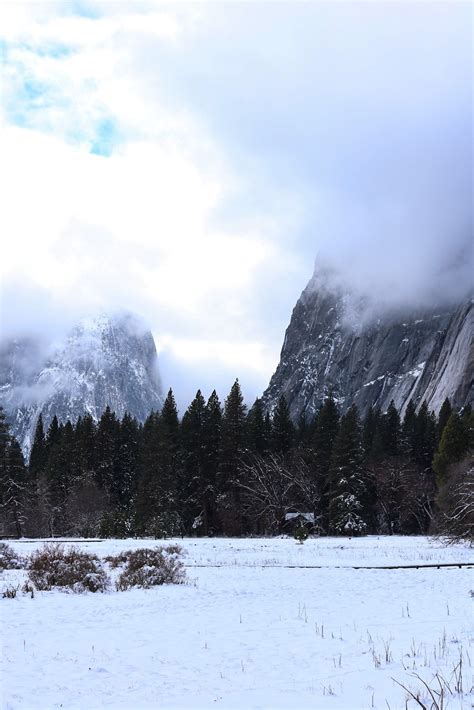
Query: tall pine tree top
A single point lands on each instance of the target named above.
(169, 415)
(257, 436)
(283, 431)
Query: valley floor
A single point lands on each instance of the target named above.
(254, 628)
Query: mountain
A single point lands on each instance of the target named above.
(332, 344)
(104, 361)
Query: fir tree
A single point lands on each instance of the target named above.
(283, 431)
(326, 429)
(85, 446)
(409, 430)
(194, 484)
(304, 430)
(231, 454)
(425, 438)
(369, 428)
(59, 474)
(443, 416)
(165, 516)
(147, 501)
(452, 448)
(15, 487)
(124, 482)
(347, 507)
(12, 479)
(212, 433)
(4, 440)
(53, 435)
(257, 434)
(387, 435)
(38, 450)
(105, 450)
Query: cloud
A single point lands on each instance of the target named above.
(189, 161)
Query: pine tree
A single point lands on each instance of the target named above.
(231, 454)
(147, 501)
(369, 428)
(425, 438)
(212, 433)
(409, 430)
(443, 416)
(53, 435)
(257, 434)
(347, 507)
(4, 440)
(106, 441)
(85, 446)
(194, 484)
(392, 431)
(15, 487)
(164, 516)
(59, 474)
(125, 477)
(13, 480)
(452, 448)
(304, 430)
(38, 450)
(326, 429)
(283, 431)
(387, 435)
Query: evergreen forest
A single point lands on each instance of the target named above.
(223, 469)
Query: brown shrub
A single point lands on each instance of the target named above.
(9, 558)
(150, 567)
(54, 566)
(117, 560)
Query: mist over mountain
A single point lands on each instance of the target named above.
(106, 360)
(367, 351)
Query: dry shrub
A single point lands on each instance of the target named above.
(149, 567)
(57, 567)
(117, 560)
(9, 559)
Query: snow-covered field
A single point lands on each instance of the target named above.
(252, 629)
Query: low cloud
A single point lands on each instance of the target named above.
(188, 163)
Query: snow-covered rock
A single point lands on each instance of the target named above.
(104, 361)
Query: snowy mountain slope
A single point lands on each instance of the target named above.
(328, 347)
(104, 361)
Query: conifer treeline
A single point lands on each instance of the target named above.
(229, 471)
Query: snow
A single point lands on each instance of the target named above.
(254, 628)
(417, 371)
(309, 517)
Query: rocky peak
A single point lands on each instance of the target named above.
(337, 343)
(103, 361)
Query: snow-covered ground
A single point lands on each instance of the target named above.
(252, 629)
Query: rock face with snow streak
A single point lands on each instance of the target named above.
(426, 355)
(104, 361)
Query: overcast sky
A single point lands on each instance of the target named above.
(188, 162)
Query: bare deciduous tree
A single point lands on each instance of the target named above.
(271, 485)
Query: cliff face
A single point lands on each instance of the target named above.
(104, 361)
(426, 355)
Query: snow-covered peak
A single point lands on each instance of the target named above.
(105, 360)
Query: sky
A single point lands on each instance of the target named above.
(189, 162)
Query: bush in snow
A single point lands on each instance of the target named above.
(300, 534)
(9, 559)
(54, 566)
(148, 567)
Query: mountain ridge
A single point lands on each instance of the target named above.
(105, 360)
(335, 343)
